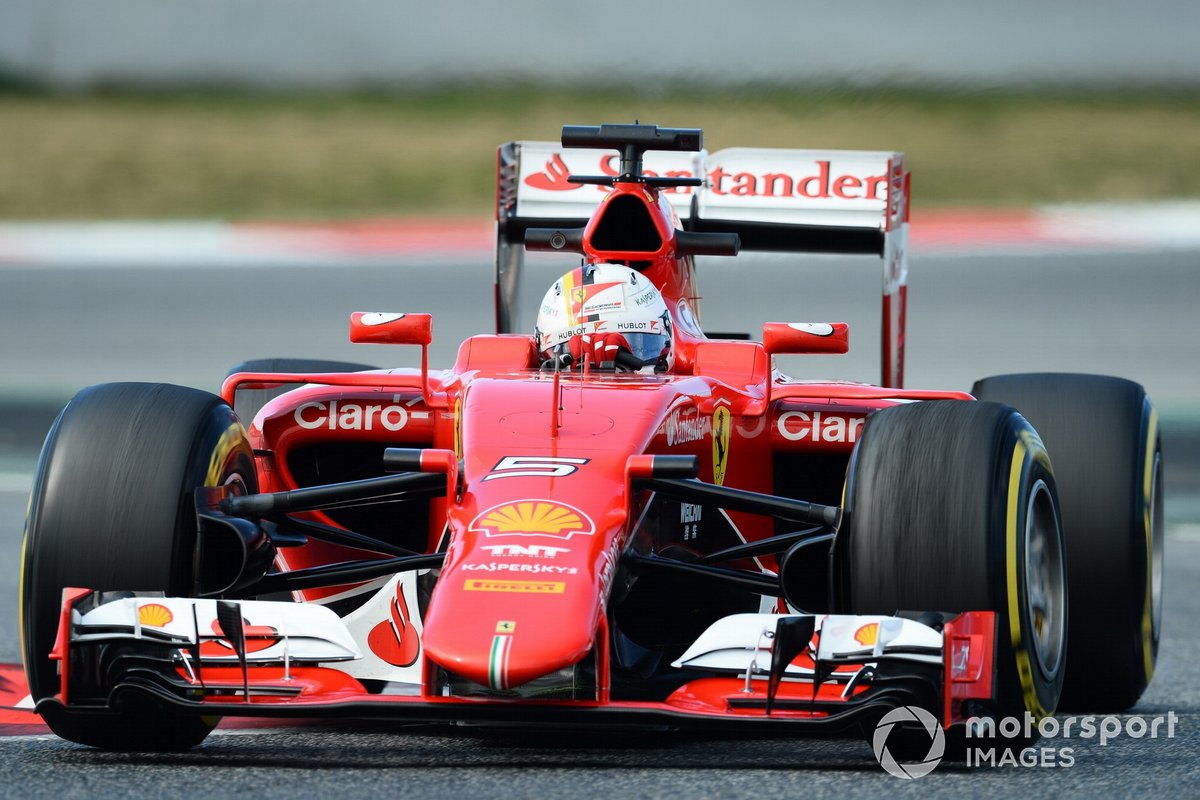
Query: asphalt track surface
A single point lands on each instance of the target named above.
(1130, 314)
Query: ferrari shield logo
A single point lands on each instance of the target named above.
(458, 423)
(721, 424)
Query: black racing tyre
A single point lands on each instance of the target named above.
(112, 509)
(951, 506)
(248, 402)
(1102, 434)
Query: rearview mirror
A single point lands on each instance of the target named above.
(373, 327)
(806, 337)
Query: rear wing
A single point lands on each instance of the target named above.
(780, 200)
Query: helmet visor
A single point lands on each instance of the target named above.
(649, 351)
(649, 347)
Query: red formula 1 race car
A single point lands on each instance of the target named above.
(615, 521)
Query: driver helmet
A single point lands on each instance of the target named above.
(608, 315)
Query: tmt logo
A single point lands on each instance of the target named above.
(524, 550)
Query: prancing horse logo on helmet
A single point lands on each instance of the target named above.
(580, 296)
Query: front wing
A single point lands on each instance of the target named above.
(292, 662)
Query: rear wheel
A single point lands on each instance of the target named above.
(248, 402)
(1103, 435)
(951, 506)
(112, 510)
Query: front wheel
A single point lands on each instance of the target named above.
(112, 510)
(952, 506)
(1103, 435)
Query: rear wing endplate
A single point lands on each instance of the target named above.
(780, 200)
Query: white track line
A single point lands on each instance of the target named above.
(1184, 532)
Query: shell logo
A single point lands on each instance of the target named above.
(534, 518)
(154, 614)
(867, 634)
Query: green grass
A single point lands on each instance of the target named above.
(222, 155)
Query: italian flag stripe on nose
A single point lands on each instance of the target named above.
(498, 662)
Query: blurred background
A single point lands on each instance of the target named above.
(308, 44)
(303, 109)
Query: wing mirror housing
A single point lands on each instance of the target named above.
(378, 327)
(374, 327)
(806, 337)
(366, 327)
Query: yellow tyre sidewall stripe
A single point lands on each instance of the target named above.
(21, 598)
(21, 610)
(232, 439)
(1148, 528)
(1033, 703)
